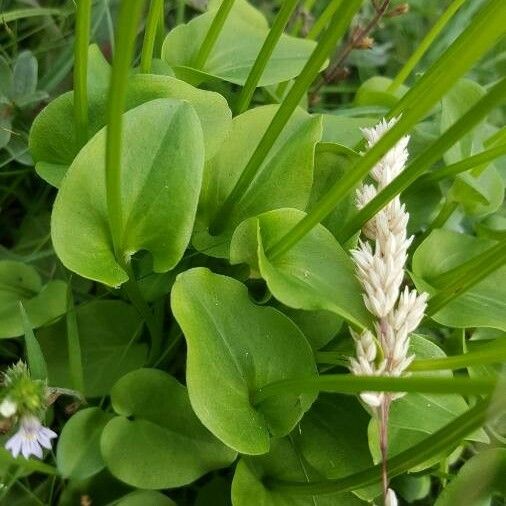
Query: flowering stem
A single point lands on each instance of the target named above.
(152, 27)
(424, 45)
(465, 276)
(351, 384)
(439, 442)
(426, 159)
(127, 29)
(213, 33)
(264, 55)
(83, 17)
(326, 44)
(384, 411)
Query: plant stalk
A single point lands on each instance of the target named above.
(150, 34)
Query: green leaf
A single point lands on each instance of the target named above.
(24, 76)
(345, 130)
(53, 139)
(415, 416)
(78, 453)
(162, 163)
(333, 438)
(279, 183)
(477, 481)
(316, 274)
(283, 462)
(108, 331)
(34, 355)
(234, 348)
(484, 305)
(21, 283)
(481, 190)
(145, 497)
(376, 91)
(162, 444)
(236, 49)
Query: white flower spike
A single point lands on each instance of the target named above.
(30, 438)
(8, 408)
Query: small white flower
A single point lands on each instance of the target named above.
(31, 437)
(8, 408)
(391, 498)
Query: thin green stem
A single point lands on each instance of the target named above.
(324, 19)
(443, 440)
(213, 33)
(338, 26)
(462, 166)
(74, 345)
(466, 276)
(82, 41)
(443, 216)
(264, 55)
(425, 44)
(126, 32)
(426, 159)
(351, 384)
(150, 34)
(488, 354)
(486, 28)
(180, 11)
(308, 5)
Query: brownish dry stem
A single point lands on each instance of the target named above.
(383, 435)
(335, 70)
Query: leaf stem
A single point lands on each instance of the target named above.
(424, 45)
(82, 41)
(150, 34)
(73, 344)
(326, 44)
(125, 40)
(213, 33)
(264, 55)
(323, 19)
(351, 384)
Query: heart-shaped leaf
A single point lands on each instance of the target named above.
(236, 49)
(53, 138)
(107, 332)
(21, 283)
(162, 163)
(234, 348)
(157, 441)
(484, 305)
(78, 454)
(280, 182)
(315, 274)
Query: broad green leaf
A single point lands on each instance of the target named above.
(332, 161)
(316, 274)
(481, 190)
(157, 441)
(145, 498)
(78, 453)
(21, 283)
(52, 137)
(108, 331)
(415, 416)
(236, 49)
(477, 481)
(333, 438)
(24, 76)
(162, 162)
(280, 182)
(484, 305)
(234, 348)
(345, 130)
(284, 462)
(375, 91)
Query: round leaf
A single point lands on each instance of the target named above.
(78, 454)
(235, 348)
(315, 274)
(145, 497)
(162, 161)
(157, 441)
